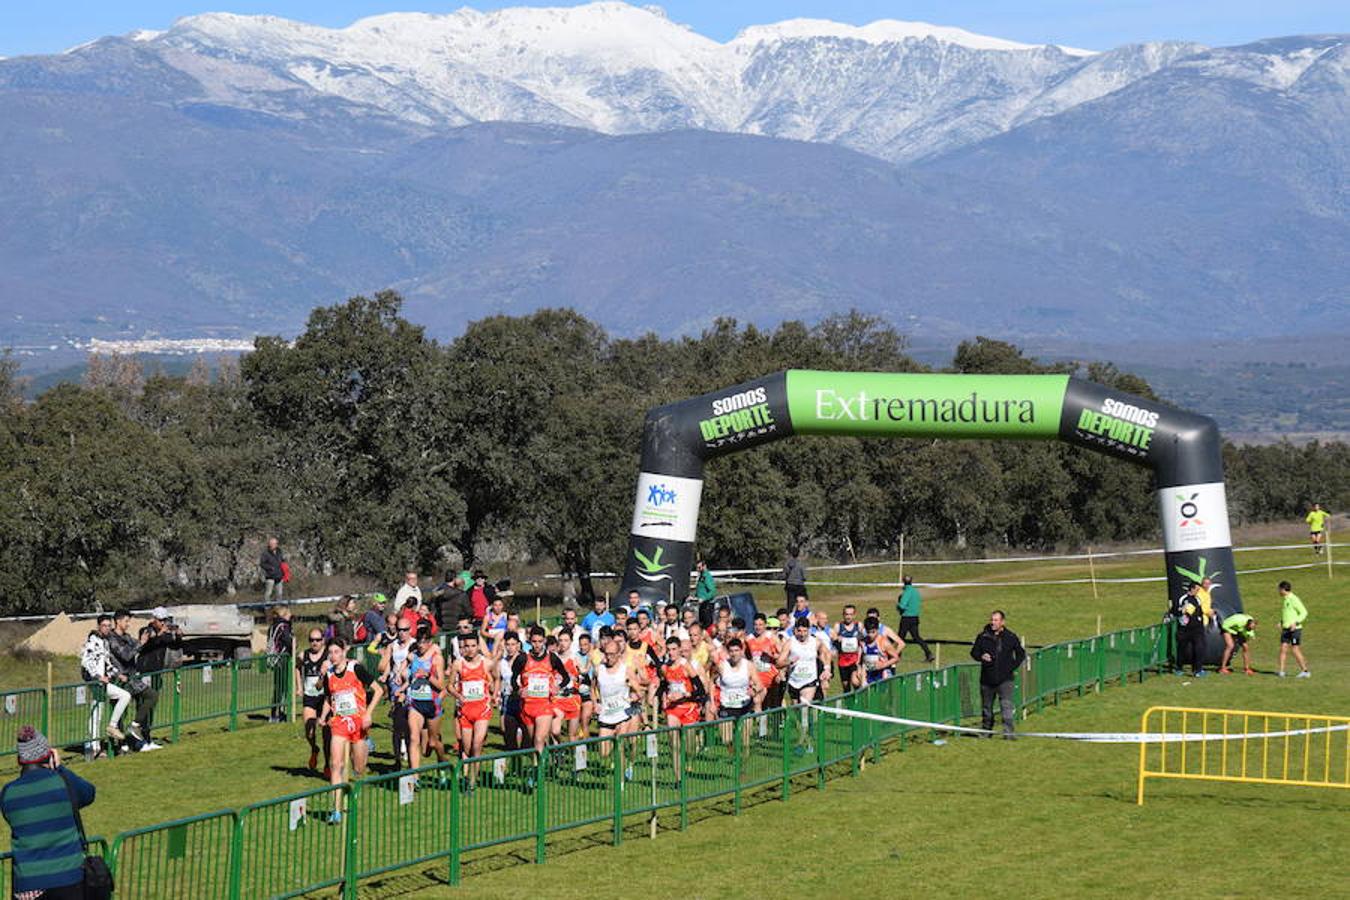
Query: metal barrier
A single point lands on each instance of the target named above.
(285, 847)
(1245, 747)
(77, 714)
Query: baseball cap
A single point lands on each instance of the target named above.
(773, 622)
(159, 612)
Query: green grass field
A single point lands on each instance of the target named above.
(1044, 818)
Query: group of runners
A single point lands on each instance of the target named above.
(610, 674)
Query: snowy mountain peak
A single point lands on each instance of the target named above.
(892, 89)
(879, 32)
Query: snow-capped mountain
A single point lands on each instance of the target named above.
(898, 90)
(226, 175)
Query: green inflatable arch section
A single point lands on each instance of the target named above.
(1182, 449)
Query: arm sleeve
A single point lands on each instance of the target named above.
(517, 666)
(975, 650)
(562, 671)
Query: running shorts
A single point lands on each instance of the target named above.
(735, 712)
(533, 709)
(1291, 636)
(349, 727)
(568, 707)
(796, 692)
(314, 703)
(429, 709)
(686, 713)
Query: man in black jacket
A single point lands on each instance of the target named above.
(999, 652)
(126, 650)
(274, 579)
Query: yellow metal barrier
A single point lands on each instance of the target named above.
(1244, 746)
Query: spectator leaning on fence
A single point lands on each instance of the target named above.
(126, 651)
(161, 645)
(45, 840)
(274, 577)
(100, 670)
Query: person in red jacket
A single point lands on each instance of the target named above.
(481, 596)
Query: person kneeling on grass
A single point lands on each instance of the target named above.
(1238, 629)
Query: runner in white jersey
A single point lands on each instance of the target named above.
(739, 691)
(808, 673)
(513, 732)
(618, 692)
(394, 667)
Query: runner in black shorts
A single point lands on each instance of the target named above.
(308, 683)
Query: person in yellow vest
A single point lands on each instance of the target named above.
(1206, 600)
(1317, 527)
(1292, 616)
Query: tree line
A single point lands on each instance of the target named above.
(369, 447)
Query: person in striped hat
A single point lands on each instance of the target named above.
(40, 808)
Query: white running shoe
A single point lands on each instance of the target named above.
(1304, 674)
(151, 745)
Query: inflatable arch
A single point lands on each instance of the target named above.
(1181, 448)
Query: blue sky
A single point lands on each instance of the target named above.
(48, 26)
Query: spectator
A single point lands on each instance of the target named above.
(342, 620)
(1292, 615)
(794, 577)
(909, 605)
(451, 600)
(706, 586)
(999, 652)
(599, 617)
(126, 651)
(1238, 630)
(274, 576)
(480, 597)
(280, 643)
(161, 645)
(42, 809)
(100, 670)
(374, 619)
(1190, 619)
(409, 588)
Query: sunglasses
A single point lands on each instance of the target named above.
(315, 640)
(404, 630)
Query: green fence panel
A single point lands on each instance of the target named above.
(205, 692)
(187, 859)
(403, 818)
(762, 760)
(286, 846)
(652, 780)
(580, 778)
(264, 686)
(26, 706)
(77, 711)
(501, 807)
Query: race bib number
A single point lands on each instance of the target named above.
(615, 704)
(311, 683)
(473, 690)
(537, 686)
(676, 690)
(804, 670)
(848, 645)
(421, 689)
(871, 662)
(344, 703)
(763, 665)
(735, 698)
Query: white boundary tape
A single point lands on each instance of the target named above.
(1089, 737)
(938, 585)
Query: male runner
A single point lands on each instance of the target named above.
(567, 704)
(309, 665)
(587, 658)
(426, 684)
(1292, 616)
(473, 684)
(513, 732)
(1317, 525)
(351, 694)
(1238, 630)
(848, 636)
(681, 688)
(763, 648)
(739, 691)
(394, 667)
(807, 662)
(538, 676)
(878, 659)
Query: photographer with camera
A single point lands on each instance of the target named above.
(126, 651)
